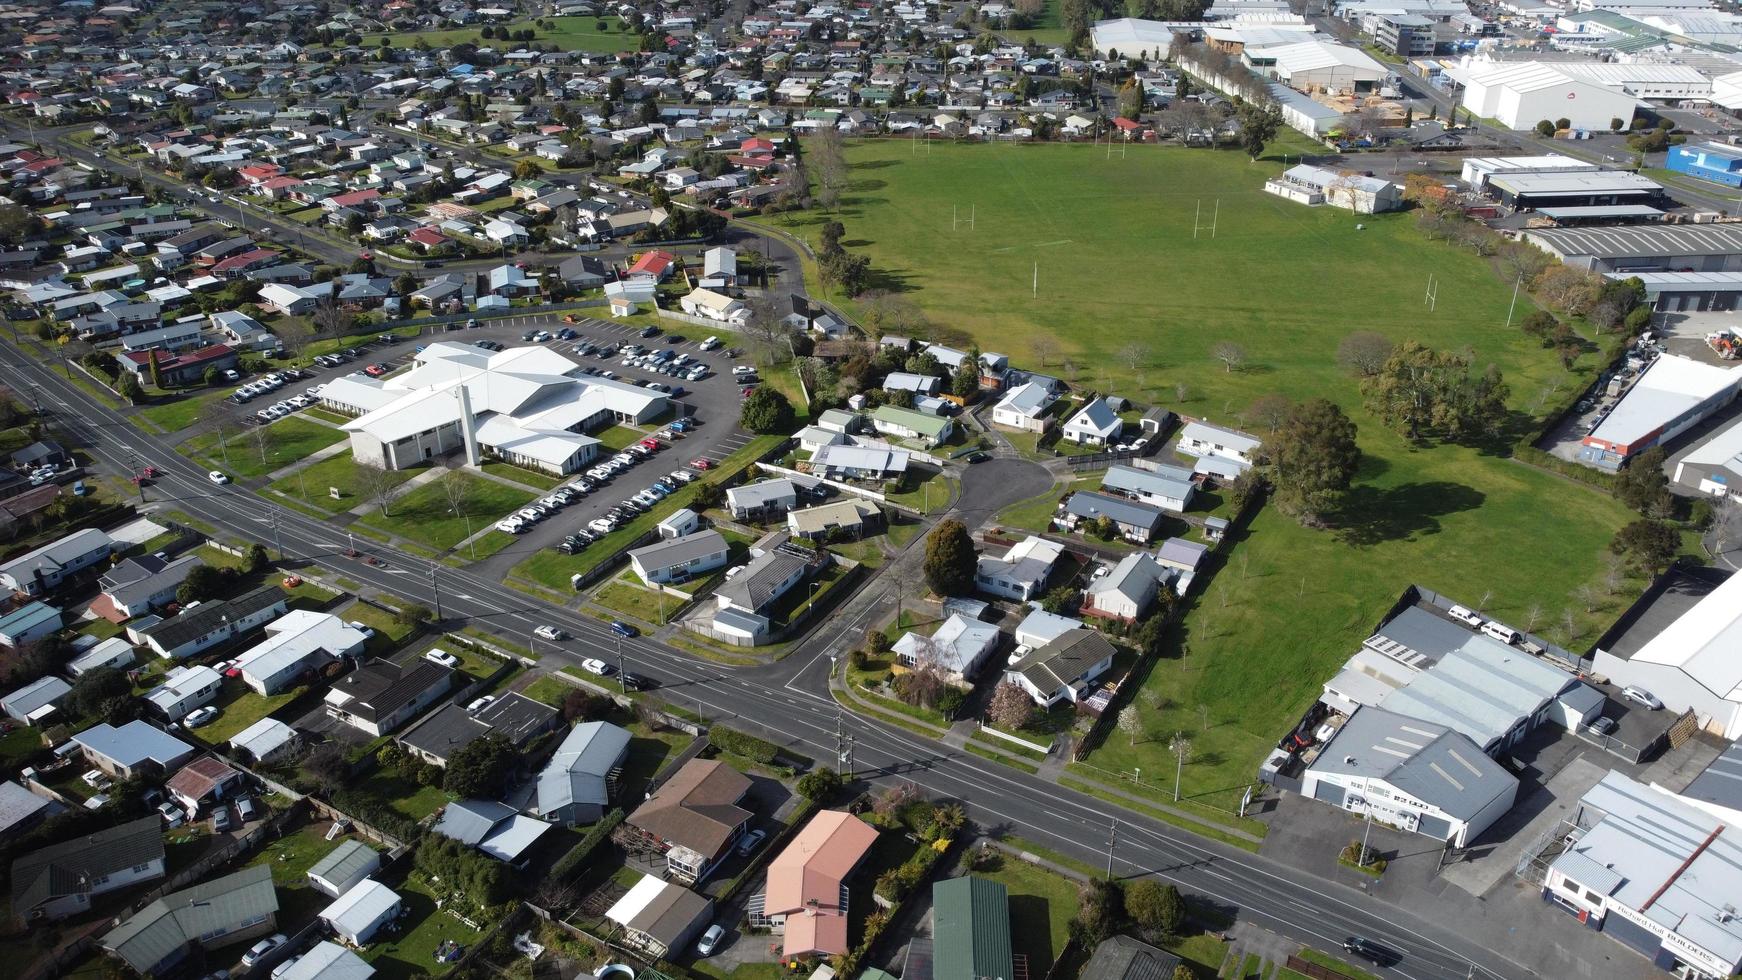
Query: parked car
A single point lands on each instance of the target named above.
(480, 704)
(258, 951)
(1639, 695)
(200, 716)
(1604, 726)
(442, 657)
(221, 820)
(550, 633)
(363, 628)
(172, 815)
(747, 846)
(594, 665)
(710, 940)
(247, 809)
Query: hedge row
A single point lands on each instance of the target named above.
(743, 744)
(599, 832)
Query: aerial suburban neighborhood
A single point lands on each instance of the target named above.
(983, 490)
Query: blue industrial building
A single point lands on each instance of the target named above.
(1715, 162)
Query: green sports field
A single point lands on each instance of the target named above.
(1118, 264)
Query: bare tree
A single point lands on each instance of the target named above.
(1533, 617)
(261, 436)
(377, 485)
(828, 156)
(1726, 523)
(924, 683)
(1231, 355)
(1044, 349)
(1182, 392)
(329, 318)
(1181, 747)
(769, 334)
(1588, 596)
(1270, 411)
(1134, 354)
(1363, 353)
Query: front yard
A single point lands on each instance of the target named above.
(425, 515)
(239, 706)
(249, 453)
(312, 485)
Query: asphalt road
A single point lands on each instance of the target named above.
(786, 702)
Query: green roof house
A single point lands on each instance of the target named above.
(905, 423)
(971, 929)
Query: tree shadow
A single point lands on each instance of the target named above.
(860, 186)
(875, 164)
(887, 280)
(1373, 515)
(1371, 468)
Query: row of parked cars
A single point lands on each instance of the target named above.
(664, 361)
(523, 519)
(626, 510)
(266, 384)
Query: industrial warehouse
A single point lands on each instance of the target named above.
(526, 405)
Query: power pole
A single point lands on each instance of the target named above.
(622, 671)
(436, 589)
(1514, 304)
(1112, 841)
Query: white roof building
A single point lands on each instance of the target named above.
(299, 640)
(1692, 663)
(1659, 874)
(1672, 394)
(1522, 93)
(1314, 66)
(184, 689)
(264, 739)
(529, 405)
(959, 646)
(358, 913)
(328, 961)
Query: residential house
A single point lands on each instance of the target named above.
(873, 463)
(448, 729)
(1040, 627)
(578, 782)
(137, 748)
(852, 517)
(1021, 574)
(327, 960)
(805, 897)
(265, 740)
(659, 917)
(679, 523)
(28, 623)
(971, 929)
(1095, 424)
(200, 626)
(742, 602)
(719, 268)
(35, 703)
(1126, 592)
(1157, 484)
(53, 882)
(495, 828)
(906, 423)
(1064, 668)
(1125, 958)
(183, 689)
(1199, 438)
(711, 305)
(918, 384)
(655, 265)
(114, 653)
(297, 643)
(225, 911)
(959, 647)
(344, 867)
(768, 498)
(1026, 407)
(694, 818)
(680, 559)
(202, 784)
(380, 696)
(357, 915)
(21, 810)
(185, 368)
(583, 272)
(144, 584)
(42, 570)
(1134, 521)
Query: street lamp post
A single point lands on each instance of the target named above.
(436, 589)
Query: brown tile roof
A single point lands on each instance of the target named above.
(697, 807)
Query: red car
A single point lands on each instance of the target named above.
(374, 370)
(653, 444)
(149, 472)
(702, 463)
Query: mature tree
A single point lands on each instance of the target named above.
(94, 687)
(1420, 390)
(1647, 545)
(326, 767)
(202, 582)
(1616, 299)
(18, 223)
(1100, 907)
(1231, 355)
(828, 160)
(1011, 707)
(1642, 485)
(1363, 352)
(128, 387)
(377, 484)
(1130, 723)
(1158, 908)
(949, 559)
(923, 684)
(766, 412)
(579, 705)
(1569, 290)
(1259, 123)
(482, 767)
(1310, 460)
(820, 784)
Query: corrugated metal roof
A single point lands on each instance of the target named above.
(211, 908)
(971, 929)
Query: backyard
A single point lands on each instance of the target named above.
(411, 952)
(290, 857)
(1042, 904)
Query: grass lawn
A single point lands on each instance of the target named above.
(630, 598)
(409, 950)
(173, 412)
(1468, 524)
(290, 857)
(1203, 953)
(929, 494)
(549, 690)
(262, 449)
(310, 485)
(1042, 903)
(425, 516)
(571, 34)
(239, 706)
(532, 478)
(17, 745)
(1331, 962)
(617, 438)
(387, 627)
(325, 415)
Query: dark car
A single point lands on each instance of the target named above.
(636, 682)
(978, 457)
(624, 629)
(650, 331)
(1369, 950)
(1604, 726)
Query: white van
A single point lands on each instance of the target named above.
(1505, 634)
(1465, 616)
